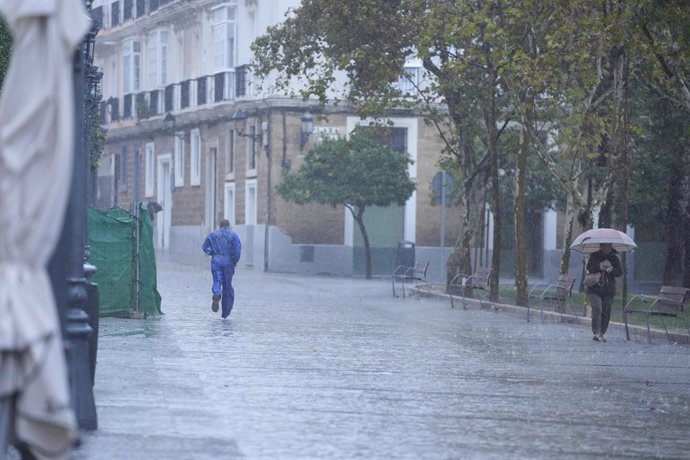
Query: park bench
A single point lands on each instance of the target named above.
(404, 274)
(465, 285)
(668, 304)
(554, 294)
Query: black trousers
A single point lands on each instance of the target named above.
(601, 313)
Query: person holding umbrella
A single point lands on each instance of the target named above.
(606, 264)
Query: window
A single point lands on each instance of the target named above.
(114, 14)
(122, 169)
(250, 202)
(113, 78)
(131, 67)
(179, 159)
(223, 23)
(128, 10)
(157, 58)
(410, 80)
(149, 173)
(229, 211)
(251, 148)
(195, 158)
(230, 153)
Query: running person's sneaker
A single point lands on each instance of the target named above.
(215, 303)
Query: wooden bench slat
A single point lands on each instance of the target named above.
(404, 274)
(669, 303)
(478, 280)
(555, 292)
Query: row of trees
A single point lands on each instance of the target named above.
(586, 100)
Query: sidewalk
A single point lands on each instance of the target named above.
(324, 367)
(636, 332)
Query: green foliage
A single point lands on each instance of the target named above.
(357, 172)
(567, 70)
(663, 39)
(97, 136)
(660, 126)
(5, 48)
(542, 190)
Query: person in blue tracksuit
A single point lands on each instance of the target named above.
(224, 247)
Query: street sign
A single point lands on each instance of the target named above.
(442, 182)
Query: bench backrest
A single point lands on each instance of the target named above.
(481, 276)
(420, 269)
(672, 297)
(564, 285)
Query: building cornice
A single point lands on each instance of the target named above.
(223, 113)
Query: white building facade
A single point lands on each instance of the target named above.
(189, 127)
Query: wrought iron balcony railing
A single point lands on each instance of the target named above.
(202, 92)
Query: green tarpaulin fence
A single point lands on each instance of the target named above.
(125, 261)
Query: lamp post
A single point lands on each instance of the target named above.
(307, 128)
(241, 116)
(92, 99)
(68, 268)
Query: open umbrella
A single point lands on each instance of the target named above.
(36, 153)
(591, 240)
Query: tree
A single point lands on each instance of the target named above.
(561, 67)
(664, 41)
(370, 42)
(356, 173)
(5, 48)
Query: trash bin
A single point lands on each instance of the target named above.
(405, 255)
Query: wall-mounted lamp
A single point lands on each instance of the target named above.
(307, 128)
(169, 121)
(240, 117)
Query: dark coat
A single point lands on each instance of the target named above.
(608, 288)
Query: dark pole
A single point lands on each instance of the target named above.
(269, 159)
(77, 327)
(67, 266)
(93, 140)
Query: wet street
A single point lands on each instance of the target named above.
(323, 367)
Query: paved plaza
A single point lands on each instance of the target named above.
(334, 368)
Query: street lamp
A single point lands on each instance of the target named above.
(75, 295)
(169, 121)
(240, 116)
(307, 128)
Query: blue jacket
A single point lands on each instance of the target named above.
(223, 246)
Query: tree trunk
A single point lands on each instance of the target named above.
(365, 237)
(686, 260)
(567, 235)
(460, 260)
(673, 268)
(520, 217)
(490, 120)
(677, 204)
(621, 138)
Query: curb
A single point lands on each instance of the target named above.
(635, 331)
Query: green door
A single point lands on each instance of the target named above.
(385, 225)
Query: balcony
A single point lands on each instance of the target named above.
(122, 11)
(202, 92)
(410, 82)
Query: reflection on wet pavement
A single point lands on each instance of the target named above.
(337, 368)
